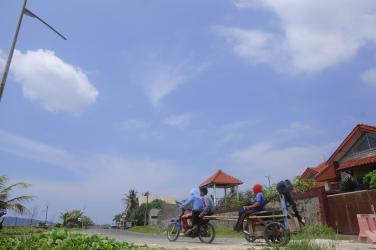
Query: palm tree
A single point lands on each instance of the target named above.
(130, 200)
(12, 203)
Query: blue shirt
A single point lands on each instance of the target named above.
(208, 204)
(260, 199)
(196, 202)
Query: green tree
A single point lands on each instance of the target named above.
(130, 201)
(13, 203)
(75, 218)
(116, 218)
(370, 179)
(303, 185)
(138, 214)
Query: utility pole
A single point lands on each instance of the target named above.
(269, 177)
(147, 204)
(45, 219)
(27, 12)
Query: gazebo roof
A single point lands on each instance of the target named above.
(222, 180)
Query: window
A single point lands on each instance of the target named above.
(372, 140)
(362, 145)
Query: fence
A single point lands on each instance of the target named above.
(344, 207)
(336, 210)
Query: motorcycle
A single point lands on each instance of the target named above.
(3, 212)
(205, 231)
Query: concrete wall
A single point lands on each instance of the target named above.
(309, 208)
(165, 214)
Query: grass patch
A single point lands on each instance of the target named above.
(12, 231)
(310, 232)
(226, 232)
(149, 229)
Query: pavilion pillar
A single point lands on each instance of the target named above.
(225, 194)
(215, 195)
(237, 192)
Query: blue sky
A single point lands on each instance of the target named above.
(158, 95)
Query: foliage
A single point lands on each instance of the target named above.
(75, 218)
(13, 203)
(116, 218)
(297, 245)
(138, 213)
(270, 193)
(231, 201)
(349, 184)
(303, 185)
(315, 232)
(64, 240)
(306, 245)
(370, 179)
(130, 201)
(21, 231)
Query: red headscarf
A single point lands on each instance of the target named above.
(257, 188)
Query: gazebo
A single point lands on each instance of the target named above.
(221, 180)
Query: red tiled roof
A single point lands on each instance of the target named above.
(356, 131)
(357, 163)
(312, 172)
(329, 172)
(220, 178)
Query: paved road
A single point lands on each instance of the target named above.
(218, 244)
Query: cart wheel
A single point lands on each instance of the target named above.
(206, 233)
(276, 235)
(249, 238)
(173, 231)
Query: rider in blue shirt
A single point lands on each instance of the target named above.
(257, 205)
(197, 207)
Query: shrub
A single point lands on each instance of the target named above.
(348, 184)
(316, 232)
(64, 240)
(370, 179)
(303, 185)
(270, 193)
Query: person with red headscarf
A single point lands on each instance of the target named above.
(257, 205)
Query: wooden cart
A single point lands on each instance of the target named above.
(272, 225)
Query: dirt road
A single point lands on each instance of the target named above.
(218, 244)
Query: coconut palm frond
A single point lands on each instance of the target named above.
(18, 185)
(3, 180)
(17, 207)
(20, 199)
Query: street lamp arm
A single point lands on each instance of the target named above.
(31, 14)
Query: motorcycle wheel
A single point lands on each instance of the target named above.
(206, 233)
(173, 231)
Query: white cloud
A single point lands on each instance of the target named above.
(134, 124)
(55, 84)
(178, 120)
(37, 151)
(369, 76)
(159, 79)
(100, 180)
(315, 34)
(284, 162)
(299, 129)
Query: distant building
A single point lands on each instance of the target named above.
(355, 157)
(161, 217)
(166, 199)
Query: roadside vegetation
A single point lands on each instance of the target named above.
(64, 240)
(75, 219)
(15, 204)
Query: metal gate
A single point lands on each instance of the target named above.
(343, 209)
